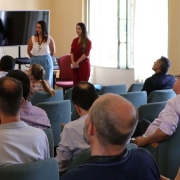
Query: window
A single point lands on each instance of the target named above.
(111, 32)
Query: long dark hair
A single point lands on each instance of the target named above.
(44, 30)
(84, 36)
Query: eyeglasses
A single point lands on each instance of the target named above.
(177, 76)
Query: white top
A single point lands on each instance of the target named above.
(40, 50)
(168, 118)
(72, 142)
(21, 143)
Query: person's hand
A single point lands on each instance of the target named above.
(74, 64)
(77, 63)
(164, 178)
(140, 141)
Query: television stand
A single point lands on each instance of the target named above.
(21, 60)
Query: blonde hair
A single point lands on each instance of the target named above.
(37, 71)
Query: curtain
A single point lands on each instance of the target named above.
(150, 35)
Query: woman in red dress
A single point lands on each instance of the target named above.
(80, 49)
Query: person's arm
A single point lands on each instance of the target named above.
(156, 137)
(85, 54)
(164, 178)
(52, 46)
(72, 59)
(81, 59)
(178, 175)
(29, 47)
(64, 150)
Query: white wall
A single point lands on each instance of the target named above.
(109, 76)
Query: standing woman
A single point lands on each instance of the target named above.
(80, 49)
(41, 48)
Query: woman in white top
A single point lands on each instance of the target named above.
(41, 48)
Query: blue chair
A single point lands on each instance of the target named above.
(137, 98)
(160, 95)
(82, 156)
(168, 159)
(59, 112)
(49, 134)
(74, 115)
(42, 96)
(135, 87)
(116, 89)
(68, 95)
(151, 111)
(166, 154)
(38, 170)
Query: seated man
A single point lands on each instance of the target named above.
(72, 141)
(7, 64)
(19, 142)
(32, 115)
(110, 123)
(166, 123)
(159, 80)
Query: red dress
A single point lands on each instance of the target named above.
(83, 72)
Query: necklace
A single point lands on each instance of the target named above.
(40, 42)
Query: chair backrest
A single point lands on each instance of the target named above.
(160, 95)
(42, 96)
(82, 156)
(68, 95)
(137, 98)
(168, 159)
(116, 89)
(79, 159)
(166, 154)
(59, 112)
(135, 87)
(74, 115)
(151, 111)
(49, 134)
(64, 63)
(39, 170)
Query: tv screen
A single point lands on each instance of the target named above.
(16, 27)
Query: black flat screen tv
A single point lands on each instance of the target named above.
(16, 27)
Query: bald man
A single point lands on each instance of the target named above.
(110, 123)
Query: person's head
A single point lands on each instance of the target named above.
(84, 94)
(41, 28)
(82, 33)
(161, 65)
(10, 96)
(36, 72)
(111, 121)
(81, 29)
(7, 63)
(23, 78)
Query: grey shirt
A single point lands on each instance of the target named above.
(21, 143)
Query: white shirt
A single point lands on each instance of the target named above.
(3, 73)
(40, 50)
(168, 118)
(21, 143)
(72, 142)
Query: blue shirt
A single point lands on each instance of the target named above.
(158, 81)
